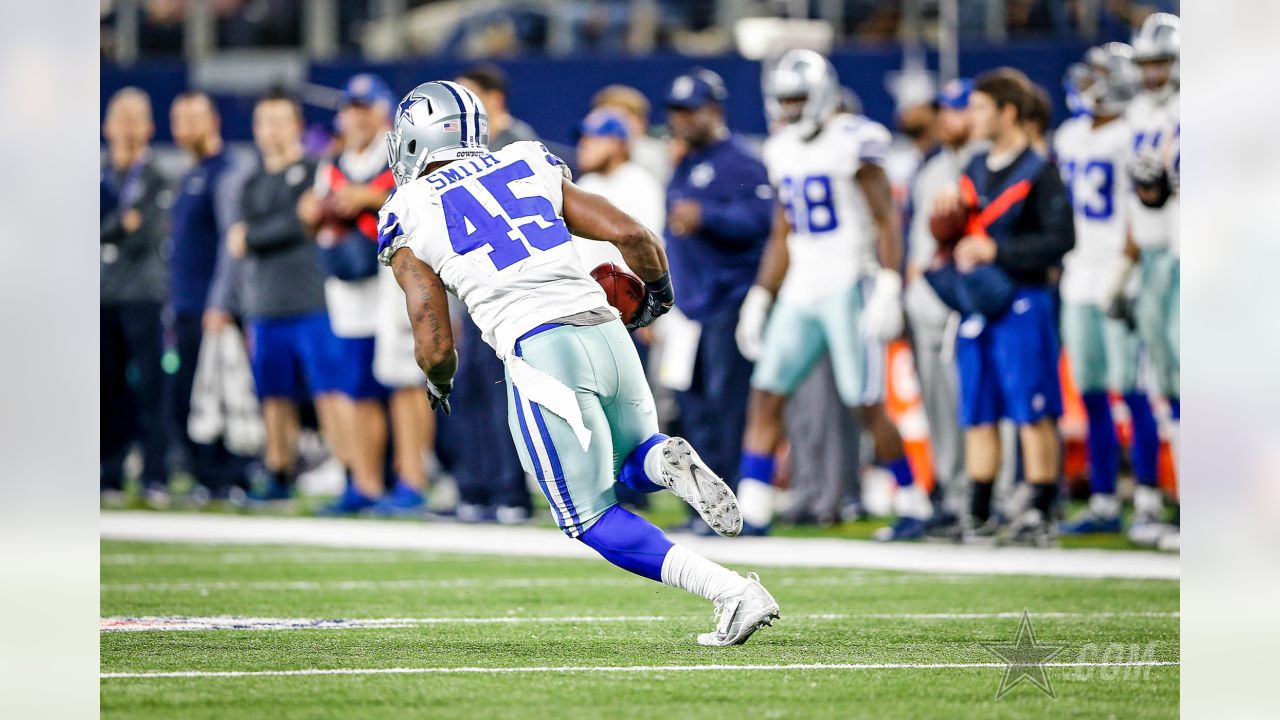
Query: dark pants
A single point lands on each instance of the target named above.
(484, 460)
(132, 382)
(212, 465)
(713, 411)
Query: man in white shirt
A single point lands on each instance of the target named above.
(604, 161)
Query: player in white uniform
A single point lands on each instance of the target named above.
(494, 230)
(832, 263)
(1092, 153)
(1153, 118)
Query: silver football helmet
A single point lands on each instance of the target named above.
(1106, 81)
(1160, 38)
(436, 121)
(801, 74)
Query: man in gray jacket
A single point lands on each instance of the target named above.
(282, 292)
(134, 198)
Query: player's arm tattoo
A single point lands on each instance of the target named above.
(428, 307)
(591, 216)
(875, 186)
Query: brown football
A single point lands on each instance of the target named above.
(624, 290)
(948, 228)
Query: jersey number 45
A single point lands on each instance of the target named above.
(507, 245)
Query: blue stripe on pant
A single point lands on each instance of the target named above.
(533, 455)
(557, 472)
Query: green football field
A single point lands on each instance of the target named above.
(479, 636)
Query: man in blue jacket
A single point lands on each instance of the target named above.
(204, 209)
(719, 213)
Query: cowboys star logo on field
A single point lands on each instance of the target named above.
(1025, 660)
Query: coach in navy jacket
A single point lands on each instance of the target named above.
(719, 213)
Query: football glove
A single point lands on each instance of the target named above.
(439, 397)
(1151, 175)
(751, 319)
(882, 315)
(659, 296)
(1116, 300)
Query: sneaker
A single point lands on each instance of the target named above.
(1171, 541)
(684, 474)
(402, 500)
(511, 515)
(350, 502)
(269, 492)
(902, 530)
(741, 614)
(156, 496)
(1148, 532)
(1087, 523)
(984, 533)
(945, 527)
(471, 513)
(1031, 528)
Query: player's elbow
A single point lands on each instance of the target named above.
(635, 236)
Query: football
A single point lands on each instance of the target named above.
(949, 227)
(624, 290)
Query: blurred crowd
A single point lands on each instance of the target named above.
(457, 28)
(249, 336)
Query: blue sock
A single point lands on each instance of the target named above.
(1146, 440)
(756, 466)
(1104, 448)
(901, 470)
(628, 541)
(1175, 407)
(632, 474)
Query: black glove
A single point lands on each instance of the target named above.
(659, 296)
(1150, 175)
(1122, 309)
(439, 397)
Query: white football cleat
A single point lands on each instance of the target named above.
(684, 473)
(740, 615)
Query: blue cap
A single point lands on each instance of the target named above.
(955, 94)
(604, 123)
(366, 89)
(696, 88)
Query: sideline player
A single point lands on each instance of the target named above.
(1092, 152)
(494, 229)
(833, 265)
(1153, 118)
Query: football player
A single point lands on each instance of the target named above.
(495, 230)
(1153, 119)
(1093, 152)
(829, 281)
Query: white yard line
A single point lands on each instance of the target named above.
(227, 622)
(544, 542)
(611, 669)
(317, 557)
(850, 579)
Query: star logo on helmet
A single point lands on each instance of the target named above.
(405, 105)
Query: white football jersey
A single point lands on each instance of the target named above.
(491, 228)
(1152, 123)
(1093, 166)
(832, 239)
